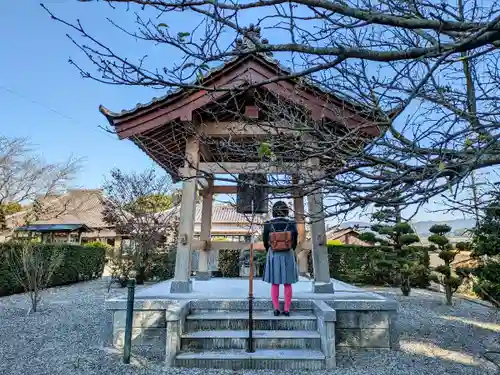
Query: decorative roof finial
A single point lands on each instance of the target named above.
(246, 43)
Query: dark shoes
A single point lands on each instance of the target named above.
(277, 313)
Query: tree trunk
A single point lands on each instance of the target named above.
(405, 285)
(34, 300)
(141, 275)
(449, 295)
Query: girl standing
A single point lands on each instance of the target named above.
(280, 240)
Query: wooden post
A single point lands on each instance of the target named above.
(322, 282)
(298, 207)
(203, 273)
(182, 281)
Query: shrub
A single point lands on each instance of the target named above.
(79, 263)
(161, 266)
(368, 265)
(108, 249)
(229, 263)
(373, 265)
(487, 286)
(33, 269)
(259, 259)
(120, 268)
(334, 243)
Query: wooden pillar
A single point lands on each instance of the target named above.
(203, 273)
(298, 208)
(182, 280)
(322, 282)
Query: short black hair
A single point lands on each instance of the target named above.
(280, 209)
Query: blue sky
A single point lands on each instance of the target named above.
(44, 98)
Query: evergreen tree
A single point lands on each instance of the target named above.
(444, 274)
(486, 249)
(397, 234)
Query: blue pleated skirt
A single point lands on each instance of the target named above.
(281, 268)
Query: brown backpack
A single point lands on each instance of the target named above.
(280, 241)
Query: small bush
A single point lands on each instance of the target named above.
(79, 263)
(229, 263)
(161, 266)
(121, 268)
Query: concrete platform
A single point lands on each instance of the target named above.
(201, 327)
(220, 288)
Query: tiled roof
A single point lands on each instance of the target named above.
(335, 233)
(226, 214)
(176, 91)
(338, 234)
(53, 228)
(77, 206)
(267, 57)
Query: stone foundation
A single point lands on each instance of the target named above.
(193, 332)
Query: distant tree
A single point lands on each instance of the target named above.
(152, 203)
(26, 177)
(444, 274)
(135, 204)
(11, 208)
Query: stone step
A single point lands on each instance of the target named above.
(228, 339)
(262, 320)
(269, 359)
(242, 305)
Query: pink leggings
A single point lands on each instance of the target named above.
(275, 295)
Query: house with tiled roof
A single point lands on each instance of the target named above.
(348, 236)
(228, 223)
(75, 216)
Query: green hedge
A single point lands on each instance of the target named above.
(79, 263)
(371, 265)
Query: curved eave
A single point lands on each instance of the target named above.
(171, 95)
(141, 108)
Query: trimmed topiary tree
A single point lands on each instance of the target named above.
(396, 233)
(444, 274)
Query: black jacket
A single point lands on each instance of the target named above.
(280, 224)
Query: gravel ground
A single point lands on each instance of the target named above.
(64, 337)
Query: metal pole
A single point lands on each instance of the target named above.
(128, 322)
(250, 348)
